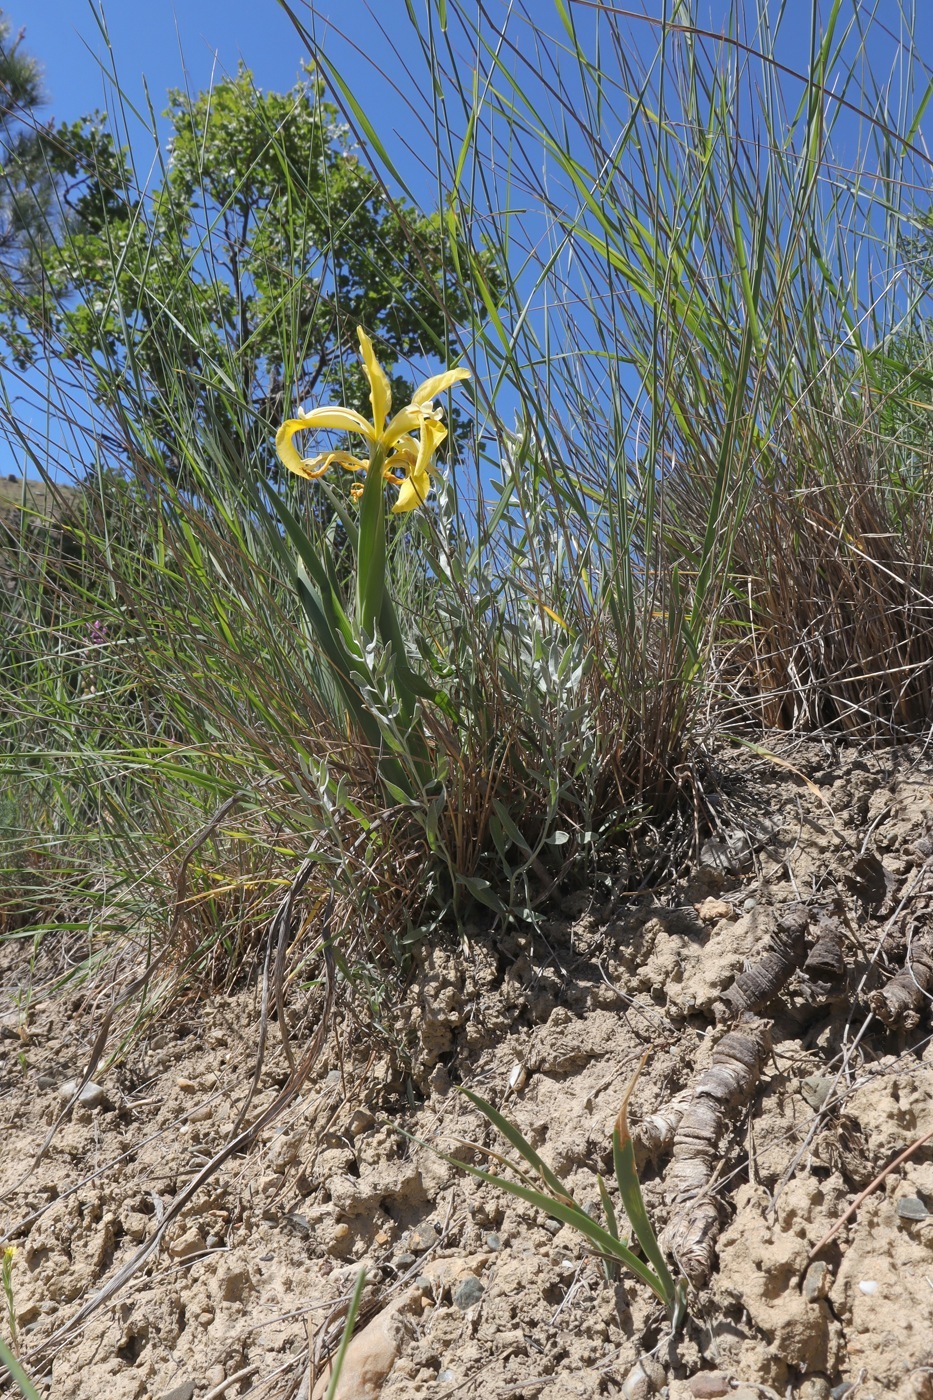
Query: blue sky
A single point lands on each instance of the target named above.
(177, 43)
(165, 42)
(161, 44)
(173, 44)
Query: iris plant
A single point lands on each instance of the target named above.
(401, 451)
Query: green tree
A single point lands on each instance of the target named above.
(26, 184)
(235, 286)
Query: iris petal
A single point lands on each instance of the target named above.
(415, 490)
(432, 387)
(288, 454)
(345, 420)
(380, 394)
(405, 421)
(412, 493)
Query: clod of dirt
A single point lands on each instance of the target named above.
(763, 1259)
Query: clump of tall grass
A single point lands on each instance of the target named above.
(673, 489)
(715, 328)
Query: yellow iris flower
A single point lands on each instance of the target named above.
(408, 460)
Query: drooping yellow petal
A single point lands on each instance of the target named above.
(288, 453)
(345, 420)
(380, 394)
(415, 489)
(345, 460)
(432, 387)
(313, 467)
(412, 493)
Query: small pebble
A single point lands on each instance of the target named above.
(706, 1385)
(813, 1388)
(713, 855)
(91, 1096)
(841, 1390)
(868, 1285)
(492, 1241)
(185, 1391)
(405, 1260)
(712, 910)
(191, 1242)
(817, 1281)
(423, 1237)
(816, 1089)
(912, 1208)
(638, 1384)
(360, 1121)
(468, 1293)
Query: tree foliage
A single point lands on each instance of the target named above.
(238, 281)
(26, 187)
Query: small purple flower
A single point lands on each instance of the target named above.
(97, 634)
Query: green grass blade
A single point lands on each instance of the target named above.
(521, 1144)
(20, 1379)
(606, 1244)
(346, 1335)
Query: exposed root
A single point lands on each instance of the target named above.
(900, 1003)
(655, 1134)
(761, 982)
(824, 972)
(726, 1086)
